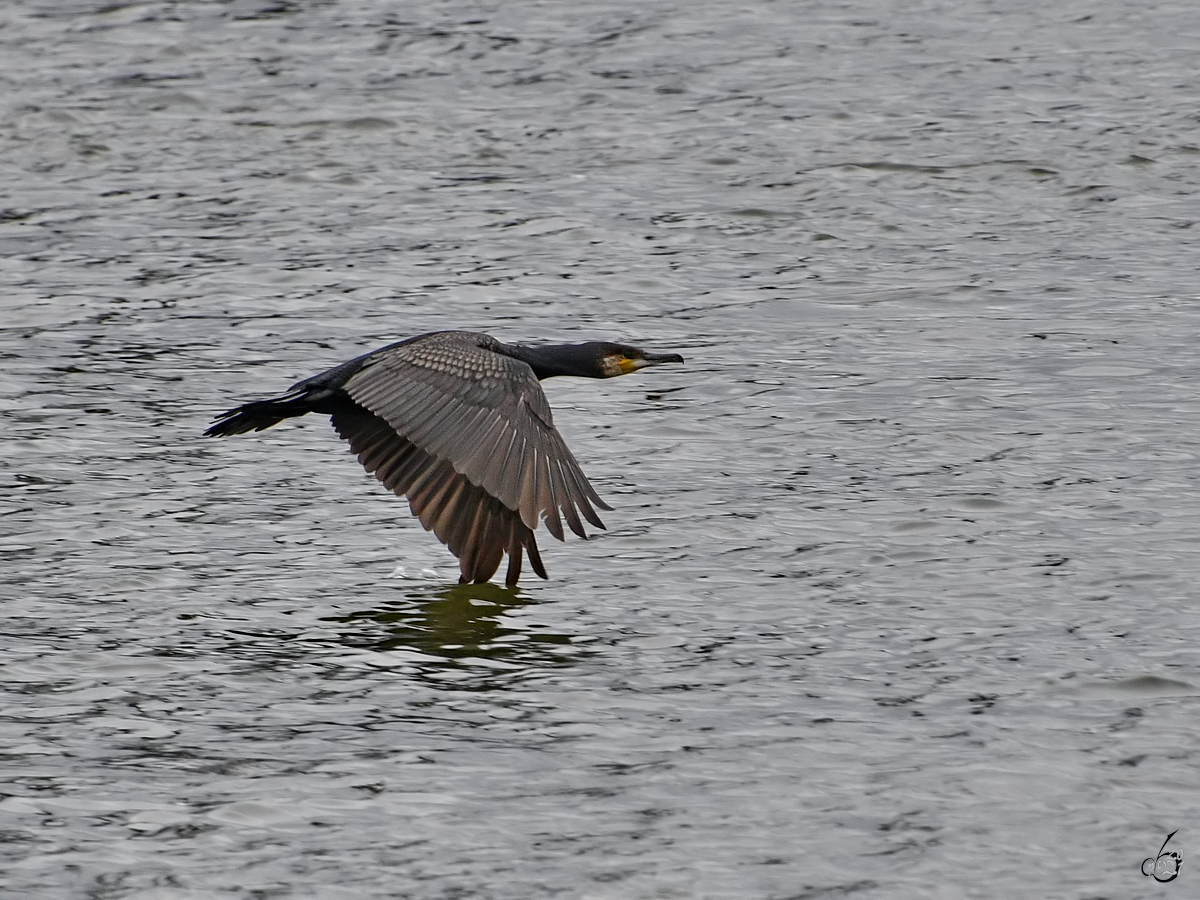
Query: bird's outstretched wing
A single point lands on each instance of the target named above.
(465, 432)
(477, 527)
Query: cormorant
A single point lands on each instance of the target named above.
(457, 422)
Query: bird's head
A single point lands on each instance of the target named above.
(621, 359)
(595, 359)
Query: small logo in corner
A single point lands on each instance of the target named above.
(1164, 867)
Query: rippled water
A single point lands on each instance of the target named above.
(897, 597)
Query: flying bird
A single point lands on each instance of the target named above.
(457, 422)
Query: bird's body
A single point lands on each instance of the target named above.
(456, 422)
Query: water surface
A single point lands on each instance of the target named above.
(896, 599)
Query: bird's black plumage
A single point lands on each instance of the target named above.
(457, 423)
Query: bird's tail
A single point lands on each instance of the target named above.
(260, 415)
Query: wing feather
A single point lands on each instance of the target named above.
(531, 500)
(549, 496)
(567, 504)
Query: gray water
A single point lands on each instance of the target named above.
(897, 599)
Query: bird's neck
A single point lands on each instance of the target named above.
(552, 360)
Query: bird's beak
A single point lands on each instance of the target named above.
(650, 359)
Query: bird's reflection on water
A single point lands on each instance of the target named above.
(463, 624)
